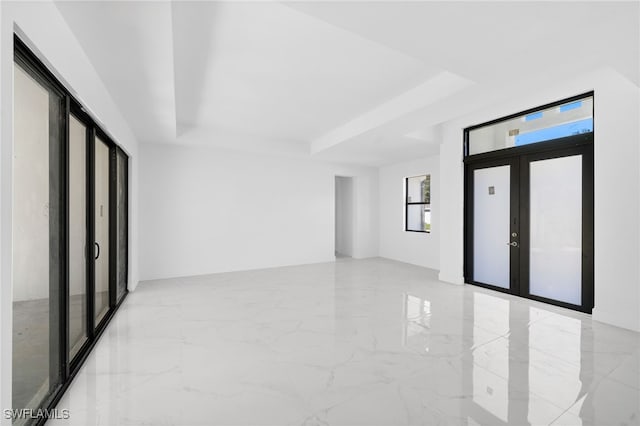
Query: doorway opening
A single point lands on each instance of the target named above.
(529, 204)
(344, 217)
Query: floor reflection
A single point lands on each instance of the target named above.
(418, 315)
(355, 342)
(540, 368)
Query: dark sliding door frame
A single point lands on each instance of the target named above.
(84, 118)
(60, 364)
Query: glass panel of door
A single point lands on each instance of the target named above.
(122, 224)
(78, 236)
(37, 238)
(555, 239)
(491, 217)
(101, 229)
(529, 218)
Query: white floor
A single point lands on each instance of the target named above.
(367, 342)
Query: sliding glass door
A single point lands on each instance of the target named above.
(70, 226)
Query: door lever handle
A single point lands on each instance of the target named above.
(98, 247)
(513, 244)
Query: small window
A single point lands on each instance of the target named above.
(418, 203)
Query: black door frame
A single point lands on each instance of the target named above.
(586, 151)
(84, 118)
(519, 158)
(100, 137)
(514, 167)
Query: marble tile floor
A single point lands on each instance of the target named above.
(352, 342)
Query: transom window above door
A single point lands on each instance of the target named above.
(568, 118)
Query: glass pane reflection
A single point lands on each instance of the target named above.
(491, 388)
(418, 321)
(541, 358)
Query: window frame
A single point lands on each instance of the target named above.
(408, 203)
(510, 150)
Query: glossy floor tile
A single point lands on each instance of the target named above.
(355, 342)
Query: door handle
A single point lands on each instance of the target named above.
(98, 246)
(513, 244)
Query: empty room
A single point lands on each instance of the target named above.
(319, 213)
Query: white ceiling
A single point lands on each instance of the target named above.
(361, 82)
(130, 46)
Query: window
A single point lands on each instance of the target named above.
(570, 117)
(418, 203)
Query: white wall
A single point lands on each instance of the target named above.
(48, 35)
(395, 243)
(208, 210)
(366, 215)
(344, 215)
(617, 188)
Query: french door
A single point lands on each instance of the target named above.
(529, 222)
